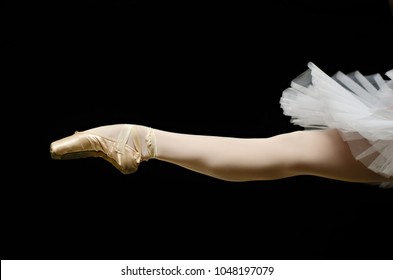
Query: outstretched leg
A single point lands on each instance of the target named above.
(316, 152)
(312, 152)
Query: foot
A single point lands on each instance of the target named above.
(125, 146)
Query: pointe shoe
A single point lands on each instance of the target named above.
(121, 155)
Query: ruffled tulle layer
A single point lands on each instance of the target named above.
(360, 107)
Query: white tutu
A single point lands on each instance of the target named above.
(360, 107)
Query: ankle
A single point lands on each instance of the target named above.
(150, 149)
(144, 141)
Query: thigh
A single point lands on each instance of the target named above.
(324, 153)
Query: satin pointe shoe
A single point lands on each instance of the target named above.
(125, 157)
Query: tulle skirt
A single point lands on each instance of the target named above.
(360, 107)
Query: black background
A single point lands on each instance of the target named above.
(214, 68)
